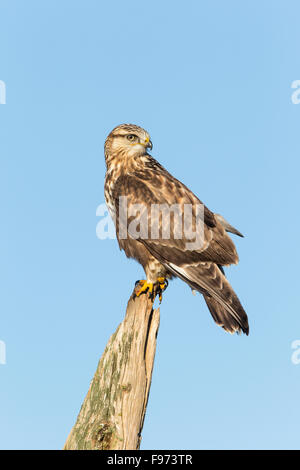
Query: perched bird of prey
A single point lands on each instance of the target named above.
(137, 191)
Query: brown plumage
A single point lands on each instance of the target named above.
(135, 175)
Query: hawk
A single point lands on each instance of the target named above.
(135, 177)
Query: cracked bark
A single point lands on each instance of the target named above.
(112, 414)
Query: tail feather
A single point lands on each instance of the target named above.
(222, 301)
(224, 319)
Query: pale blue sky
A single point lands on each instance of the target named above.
(211, 82)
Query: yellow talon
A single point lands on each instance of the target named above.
(163, 283)
(153, 289)
(146, 286)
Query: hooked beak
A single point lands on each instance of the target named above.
(148, 144)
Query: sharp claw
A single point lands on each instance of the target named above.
(146, 287)
(153, 289)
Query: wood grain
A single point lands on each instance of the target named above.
(113, 412)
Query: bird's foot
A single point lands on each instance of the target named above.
(153, 289)
(146, 286)
(162, 285)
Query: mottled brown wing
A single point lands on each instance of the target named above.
(150, 188)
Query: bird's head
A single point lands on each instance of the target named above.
(129, 139)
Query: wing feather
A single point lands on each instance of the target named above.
(161, 189)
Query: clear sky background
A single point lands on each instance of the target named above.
(211, 82)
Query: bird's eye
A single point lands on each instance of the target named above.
(131, 137)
